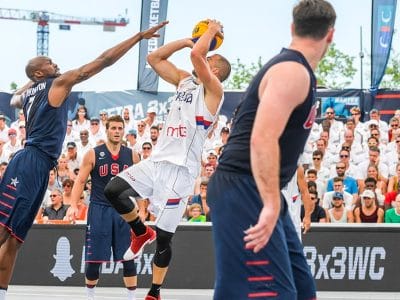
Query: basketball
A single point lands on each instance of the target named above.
(200, 28)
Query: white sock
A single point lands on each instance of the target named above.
(90, 293)
(131, 294)
(3, 294)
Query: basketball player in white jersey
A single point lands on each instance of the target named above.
(167, 177)
(295, 193)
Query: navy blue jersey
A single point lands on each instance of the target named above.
(236, 154)
(46, 125)
(106, 167)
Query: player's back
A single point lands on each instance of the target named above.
(236, 154)
(45, 125)
(106, 167)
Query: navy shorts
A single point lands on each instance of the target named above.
(106, 234)
(278, 271)
(22, 190)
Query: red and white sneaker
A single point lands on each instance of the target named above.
(138, 243)
(148, 297)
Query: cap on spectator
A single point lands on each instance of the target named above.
(132, 131)
(212, 152)
(71, 145)
(151, 110)
(373, 123)
(94, 120)
(374, 111)
(225, 129)
(12, 131)
(368, 194)
(337, 195)
(2, 117)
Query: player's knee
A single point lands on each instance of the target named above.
(92, 271)
(163, 252)
(120, 195)
(129, 268)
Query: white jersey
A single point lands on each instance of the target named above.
(293, 199)
(186, 127)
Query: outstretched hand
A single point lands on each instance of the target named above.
(151, 32)
(258, 236)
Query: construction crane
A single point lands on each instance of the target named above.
(43, 18)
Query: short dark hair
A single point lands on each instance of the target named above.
(115, 118)
(313, 18)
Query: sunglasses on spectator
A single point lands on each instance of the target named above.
(397, 142)
(24, 126)
(343, 156)
(66, 185)
(316, 158)
(394, 125)
(140, 125)
(146, 148)
(103, 114)
(340, 168)
(52, 196)
(69, 125)
(329, 113)
(95, 123)
(355, 114)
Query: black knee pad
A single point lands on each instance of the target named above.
(163, 252)
(129, 268)
(92, 271)
(120, 194)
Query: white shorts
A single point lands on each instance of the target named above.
(166, 185)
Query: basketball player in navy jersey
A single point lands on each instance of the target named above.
(44, 102)
(105, 228)
(258, 253)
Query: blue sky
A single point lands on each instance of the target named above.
(253, 28)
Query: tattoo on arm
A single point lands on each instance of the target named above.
(82, 77)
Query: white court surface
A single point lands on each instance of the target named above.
(19, 292)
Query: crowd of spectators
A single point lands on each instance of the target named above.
(352, 168)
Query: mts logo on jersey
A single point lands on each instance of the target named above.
(178, 131)
(112, 169)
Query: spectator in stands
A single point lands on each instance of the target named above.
(318, 214)
(74, 159)
(57, 209)
(82, 209)
(129, 120)
(368, 212)
(336, 127)
(338, 213)
(88, 191)
(375, 115)
(83, 145)
(3, 167)
(338, 186)
(327, 158)
(357, 153)
(142, 136)
(393, 185)
(67, 189)
(370, 183)
(201, 199)
(21, 133)
(323, 172)
(207, 171)
(3, 128)
(63, 172)
(131, 141)
(81, 120)
(212, 158)
(13, 145)
(103, 114)
(21, 118)
(4, 155)
(381, 186)
(374, 132)
(147, 148)
(350, 184)
(150, 119)
(195, 213)
(351, 169)
(392, 215)
(95, 134)
(373, 159)
(154, 134)
(312, 175)
(53, 184)
(356, 115)
(394, 126)
(393, 157)
(71, 136)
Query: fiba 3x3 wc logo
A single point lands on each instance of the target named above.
(63, 269)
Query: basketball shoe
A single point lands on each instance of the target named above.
(138, 243)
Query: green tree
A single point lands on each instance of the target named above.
(13, 86)
(336, 69)
(391, 79)
(242, 74)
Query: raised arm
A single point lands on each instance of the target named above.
(16, 99)
(282, 89)
(63, 84)
(158, 60)
(204, 71)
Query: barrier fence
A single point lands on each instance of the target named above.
(341, 258)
